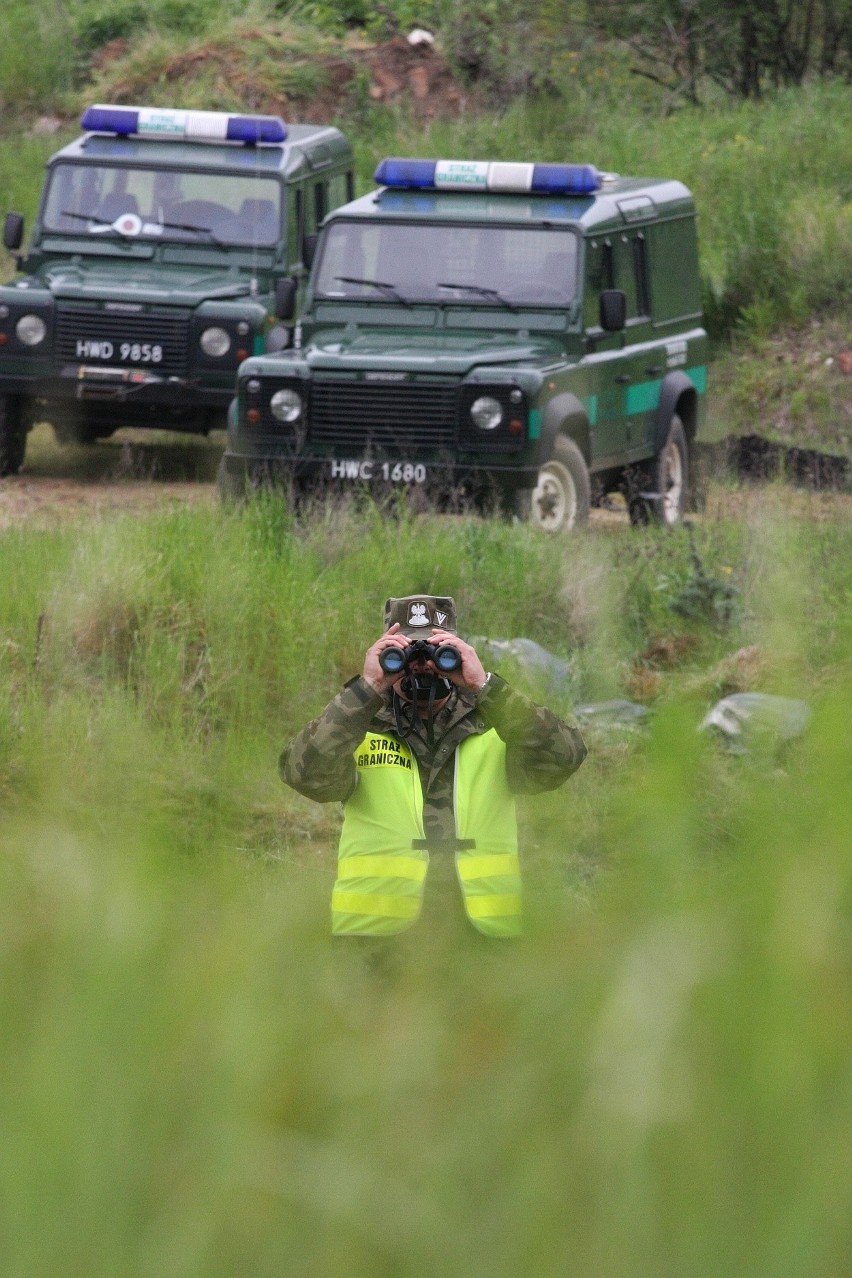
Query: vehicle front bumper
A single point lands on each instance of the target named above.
(117, 384)
(341, 472)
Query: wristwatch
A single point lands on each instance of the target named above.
(488, 678)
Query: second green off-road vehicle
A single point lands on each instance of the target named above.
(531, 334)
(166, 247)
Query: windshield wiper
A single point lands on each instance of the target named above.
(381, 285)
(171, 226)
(483, 292)
(191, 226)
(104, 228)
(80, 217)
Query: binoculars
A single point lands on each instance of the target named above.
(445, 656)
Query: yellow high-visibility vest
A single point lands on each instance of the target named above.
(383, 857)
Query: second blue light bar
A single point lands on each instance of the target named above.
(484, 175)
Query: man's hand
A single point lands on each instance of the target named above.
(373, 673)
(471, 674)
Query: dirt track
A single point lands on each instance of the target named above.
(27, 499)
(132, 471)
(143, 471)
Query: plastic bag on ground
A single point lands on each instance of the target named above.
(617, 713)
(743, 717)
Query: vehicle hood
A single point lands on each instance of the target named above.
(142, 282)
(433, 352)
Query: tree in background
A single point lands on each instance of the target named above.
(745, 46)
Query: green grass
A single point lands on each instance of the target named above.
(196, 1081)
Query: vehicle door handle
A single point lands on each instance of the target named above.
(623, 378)
(652, 372)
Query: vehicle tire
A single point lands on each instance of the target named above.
(13, 435)
(232, 489)
(657, 492)
(560, 500)
(75, 433)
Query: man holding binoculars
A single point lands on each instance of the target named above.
(426, 751)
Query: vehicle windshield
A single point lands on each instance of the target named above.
(163, 204)
(474, 265)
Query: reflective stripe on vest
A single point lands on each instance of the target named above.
(381, 874)
(380, 877)
(490, 873)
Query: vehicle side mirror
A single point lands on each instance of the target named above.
(13, 231)
(285, 297)
(613, 310)
(309, 250)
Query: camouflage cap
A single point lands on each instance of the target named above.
(419, 615)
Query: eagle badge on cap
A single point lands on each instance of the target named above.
(417, 615)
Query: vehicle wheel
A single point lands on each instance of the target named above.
(232, 489)
(74, 433)
(657, 493)
(13, 435)
(561, 498)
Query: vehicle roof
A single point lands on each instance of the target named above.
(308, 148)
(621, 200)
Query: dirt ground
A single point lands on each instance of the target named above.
(132, 471)
(140, 471)
(393, 72)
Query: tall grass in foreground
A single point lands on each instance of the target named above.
(195, 1081)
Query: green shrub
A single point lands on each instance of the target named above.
(35, 66)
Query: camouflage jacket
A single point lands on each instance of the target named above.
(542, 750)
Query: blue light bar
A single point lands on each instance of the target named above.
(183, 126)
(484, 175)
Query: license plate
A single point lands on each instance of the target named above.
(109, 352)
(388, 472)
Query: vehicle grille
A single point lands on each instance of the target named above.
(76, 325)
(394, 416)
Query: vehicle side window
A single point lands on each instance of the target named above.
(599, 275)
(625, 272)
(640, 266)
(320, 203)
(295, 225)
(619, 261)
(340, 188)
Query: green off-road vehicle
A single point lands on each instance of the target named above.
(528, 333)
(167, 247)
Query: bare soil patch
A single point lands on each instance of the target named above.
(140, 471)
(132, 471)
(267, 70)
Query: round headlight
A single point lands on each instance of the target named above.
(286, 405)
(31, 329)
(487, 412)
(215, 342)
